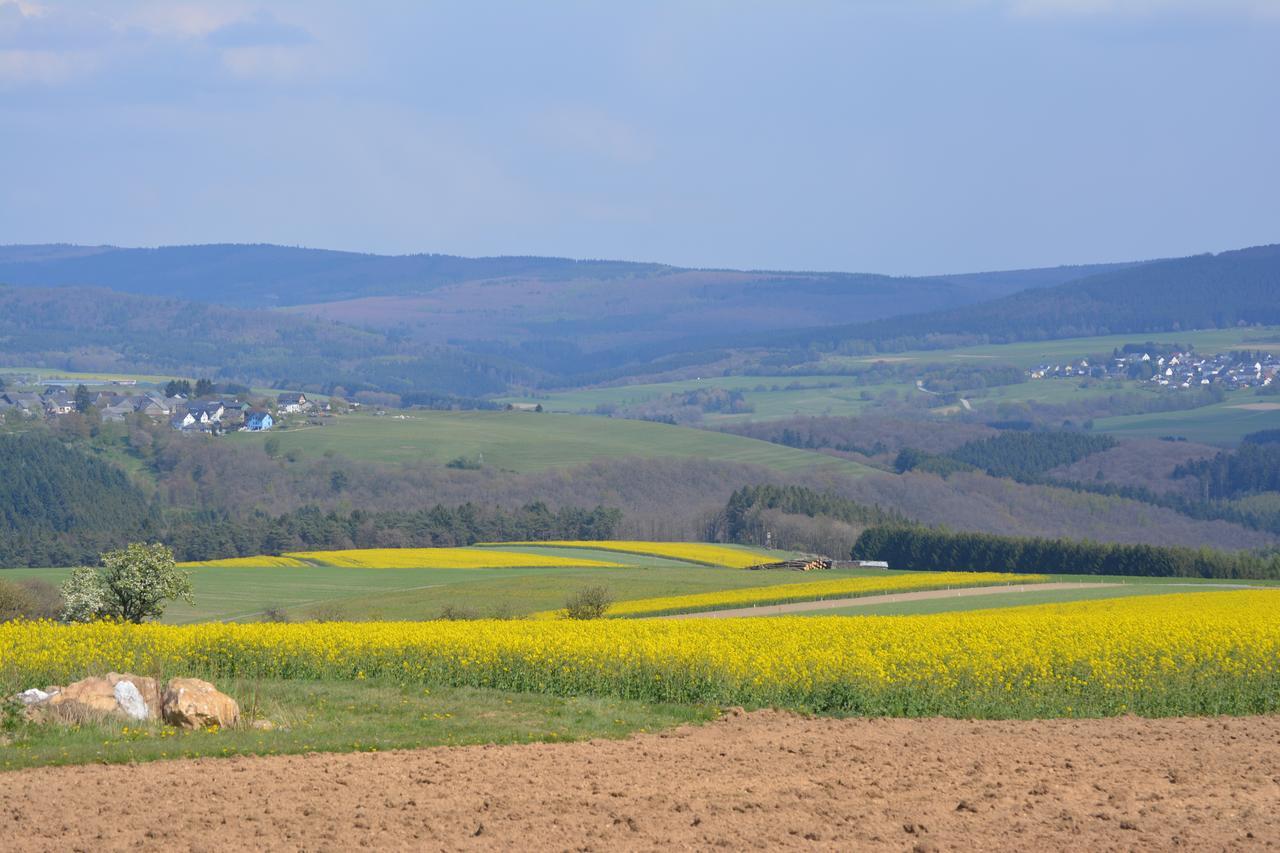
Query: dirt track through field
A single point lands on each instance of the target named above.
(891, 598)
(760, 780)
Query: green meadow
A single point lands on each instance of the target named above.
(1222, 424)
(246, 593)
(1033, 353)
(525, 441)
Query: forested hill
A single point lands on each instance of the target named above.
(269, 276)
(81, 328)
(1197, 292)
(59, 506)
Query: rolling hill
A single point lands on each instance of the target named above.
(1198, 292)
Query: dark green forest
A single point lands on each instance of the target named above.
(742, 512)
(1197, 292)
(1019, 455)
(1250, 469)
(1025, 455)
(922, 549)
(207, 536)
(60, 506)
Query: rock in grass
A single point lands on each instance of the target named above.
(34, 696)
(190, 703)
(123, 695)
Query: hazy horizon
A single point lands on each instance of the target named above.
(903, 139)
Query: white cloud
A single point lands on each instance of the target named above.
(184, 20)
(56, 44)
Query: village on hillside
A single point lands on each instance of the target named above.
(1176, 369)
(178, 404)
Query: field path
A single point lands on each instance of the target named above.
(764, 780)
(889, 598)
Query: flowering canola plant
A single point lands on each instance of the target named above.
(814, 591)
(413, 558)
(689, 552)
(265, 561)
(1192, 653)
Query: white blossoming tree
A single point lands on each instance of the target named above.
(134, 584)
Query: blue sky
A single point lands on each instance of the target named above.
(899, 137)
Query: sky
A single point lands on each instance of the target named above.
(891, 136)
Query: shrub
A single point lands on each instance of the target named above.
(29, 599)
(590, 602)
(275, 613)
(327, 613)
(457, 614)
(14, 601)
(44, 600)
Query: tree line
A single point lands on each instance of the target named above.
(1022, 456)
(924, 549)
(1253, 467)
(207, 536)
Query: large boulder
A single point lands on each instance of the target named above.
(190, 703)
(123, 695)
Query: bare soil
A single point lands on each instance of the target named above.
(759, 780)
(887, 598)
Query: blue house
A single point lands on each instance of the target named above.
(258, 420)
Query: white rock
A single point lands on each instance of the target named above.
(34, 696)
(130, 700)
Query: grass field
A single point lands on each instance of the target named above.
(1223, 424)
(349, 716)
(243, 593)
(770, 396)
(1032, 353)
(522, 441)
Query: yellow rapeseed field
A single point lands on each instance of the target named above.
(1194, 653)
(690, 552)
(814, 591)
(413, 558)
(242, 562)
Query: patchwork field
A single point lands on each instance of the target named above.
(513, 580)
(346, 651)
(814, 394)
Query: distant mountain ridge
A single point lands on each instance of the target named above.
(265, 275)
(472, 326)
(1230, 288)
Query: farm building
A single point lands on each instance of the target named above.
(258, 420)
(292, 403)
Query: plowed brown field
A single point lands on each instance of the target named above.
(759, 780)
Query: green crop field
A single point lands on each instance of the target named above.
(1223, 424)
(1108, 586)
(244, 593)
(523, 441)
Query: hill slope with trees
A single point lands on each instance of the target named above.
(60, 506)
(1197, 292)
